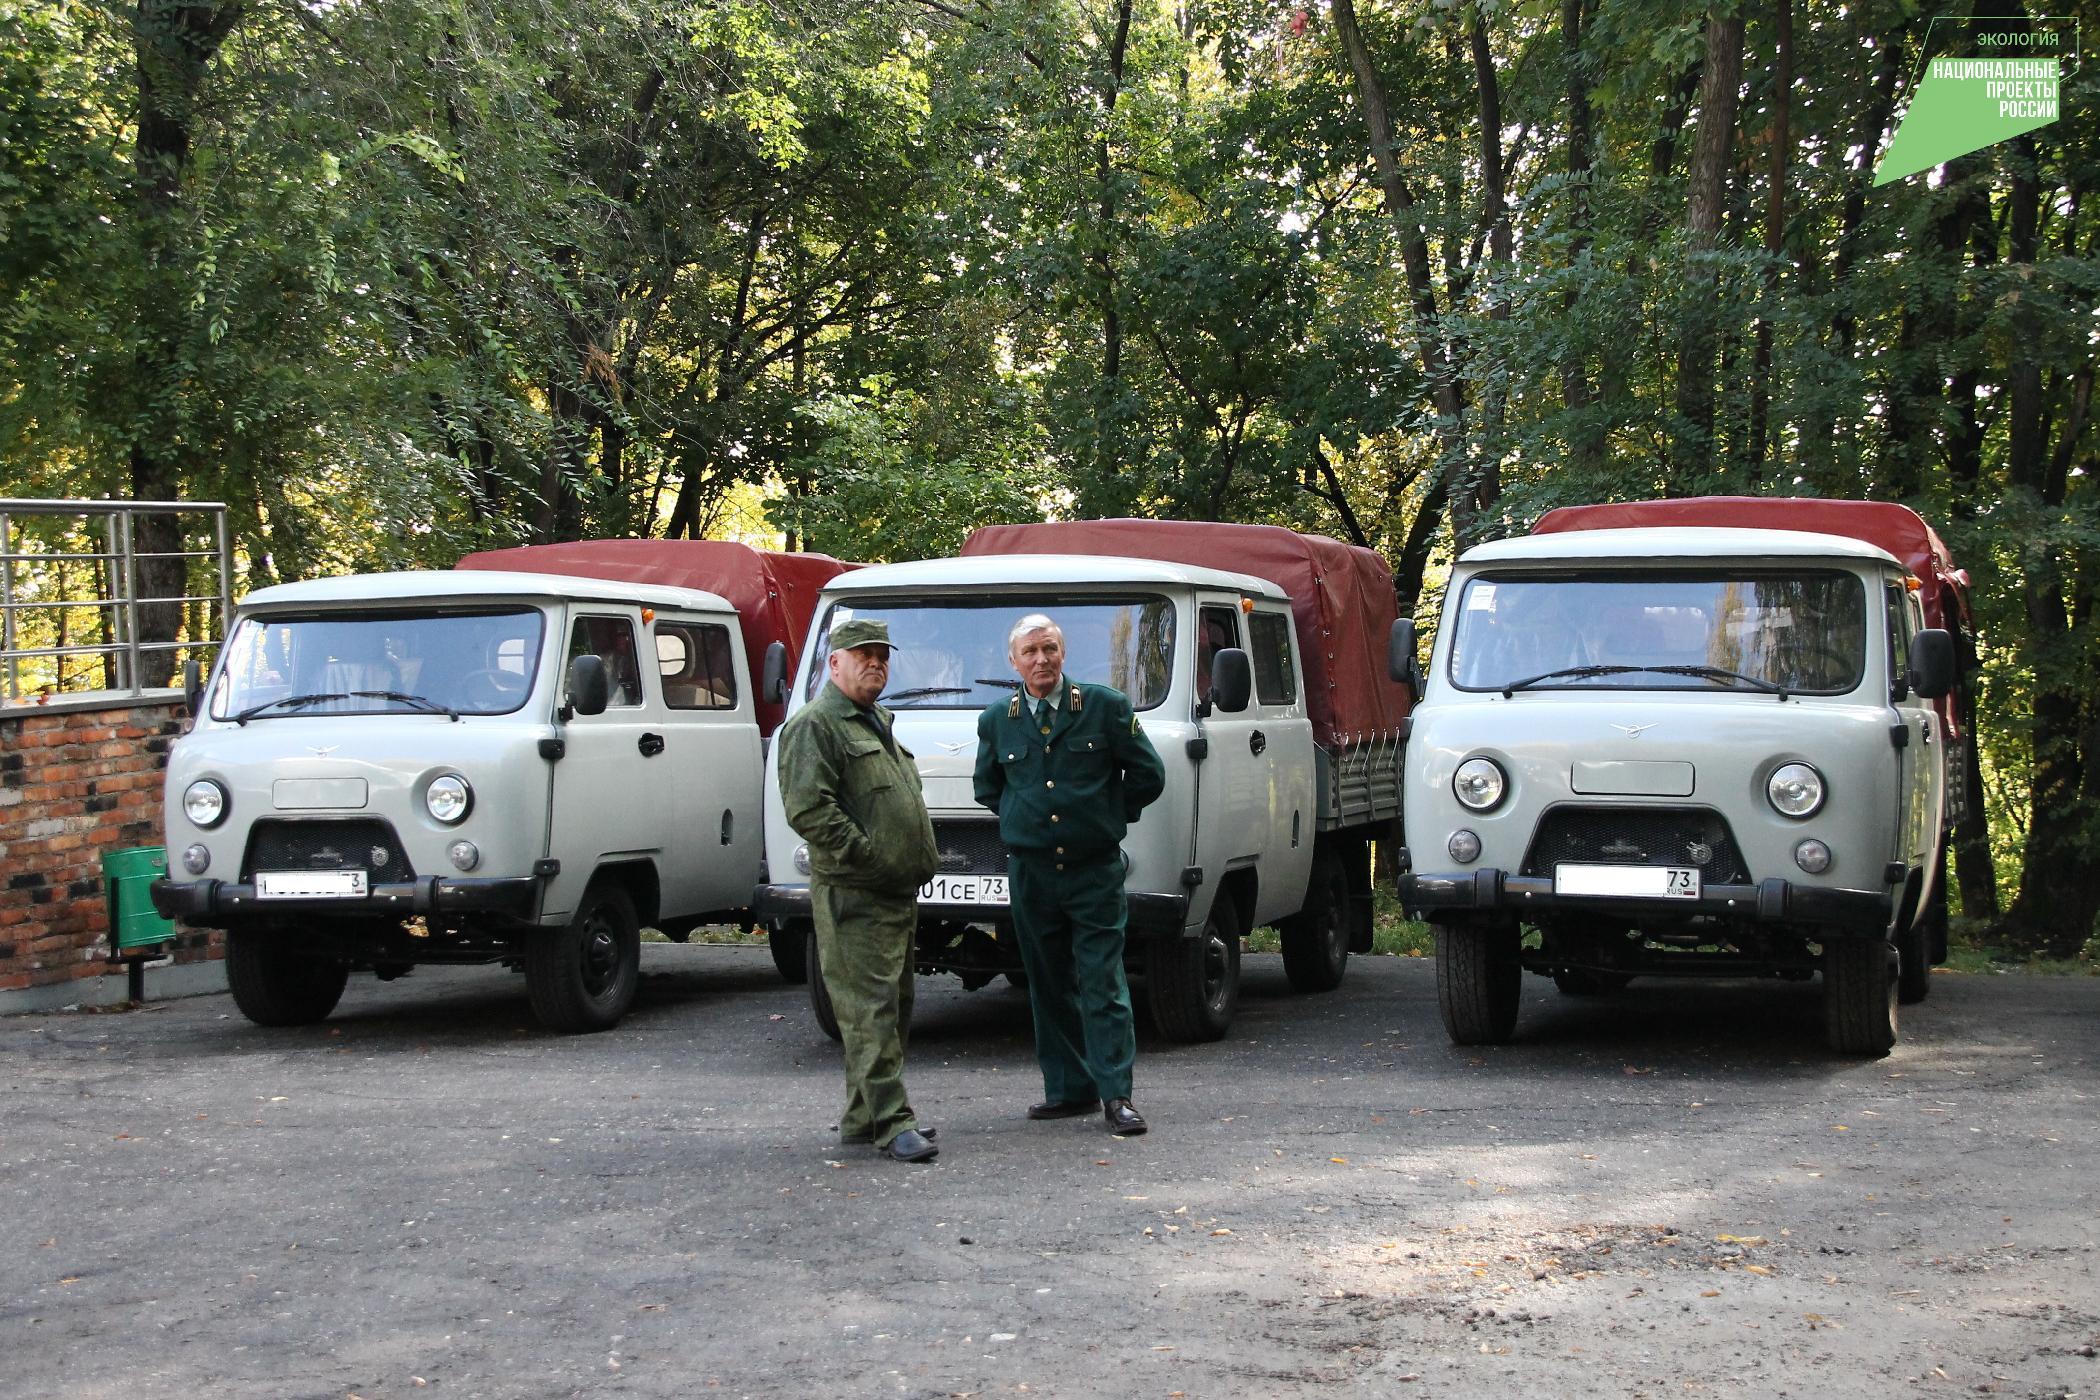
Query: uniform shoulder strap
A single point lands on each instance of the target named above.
(1078, 703)
(1013, 708)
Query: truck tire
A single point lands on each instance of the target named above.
(1859, 996)
(791, 943)
(1478, 982)
(1194, 983)
(583, 975)
(819, 994)
(275, 985)
(1923, 943)
(1316, 938)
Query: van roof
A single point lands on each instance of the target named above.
(1653, 543)
(1040, 570)
(446, 585)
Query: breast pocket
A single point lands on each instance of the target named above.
(1089, 756)
(867, 767)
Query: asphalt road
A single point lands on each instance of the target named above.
(1674, 1191)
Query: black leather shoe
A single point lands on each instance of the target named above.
(911, 1145)
(1070, 1108)
(867, 1138)
(1122, 1118)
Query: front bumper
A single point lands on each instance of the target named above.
(1774, 901)
(211, 903)
(1149, 916)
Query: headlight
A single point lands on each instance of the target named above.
(1464, 846)
(204, 803)
(449, 798)
(196, 860)
(1796, 790)
(1812, 856)
(1479, 783)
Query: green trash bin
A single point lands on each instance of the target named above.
(127, 880)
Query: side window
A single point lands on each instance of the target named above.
(1217, 627)
(1275, 683)
(697, 665)
(1899, 634)
(611, 638)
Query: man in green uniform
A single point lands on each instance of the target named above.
(852, 792)
(1067, 769)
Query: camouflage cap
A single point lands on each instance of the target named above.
(861, 632)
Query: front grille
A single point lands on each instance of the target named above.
(327, 845)
(970, 848)
(1695, 836)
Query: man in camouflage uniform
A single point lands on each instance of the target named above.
(852, 792)
(1067, 769)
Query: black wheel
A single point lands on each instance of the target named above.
(582, 976)
(1859, 996)
(1316, 939)
(791, 943)
(1478, 981)
(275, 985)
(819, 994)
(1923, 943)
(1195, 982)
(1582, 982)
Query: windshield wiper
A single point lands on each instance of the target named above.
(288, 702)
(921, 692)
(1568, 673)
(1711, 673)
(1007, 681)
(1722, 673)
(422, 702)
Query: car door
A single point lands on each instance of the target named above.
(1233, 799)
(1918, 821)
(612, 787)
(1288, 783)
(713, 853)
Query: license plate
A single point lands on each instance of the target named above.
(965, 889)
(310, 884)
(1628, 881)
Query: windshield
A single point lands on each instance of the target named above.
(379, 663)
(1803, 633)
(950, 653)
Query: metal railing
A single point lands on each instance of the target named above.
(33, 583)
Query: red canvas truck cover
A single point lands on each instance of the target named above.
(774, 594)
(1341, 596)
(1896, 528)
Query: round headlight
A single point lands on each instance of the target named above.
(204, 803)
(1464, 847)
(1812, 856)
(449, 798)
(1796, 790)
(1479, 783)
(196, 860)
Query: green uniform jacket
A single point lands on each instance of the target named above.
(852, 792)
(1075, 791)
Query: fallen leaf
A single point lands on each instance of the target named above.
(1221, 1232)
(1343, 1161)
(1635, 1069)
(1101, 1161)
(1710, 1293)
(1760, 1270)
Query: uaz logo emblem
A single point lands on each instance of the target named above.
(1633, 731)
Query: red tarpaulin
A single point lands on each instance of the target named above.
(774, 594)
(1341, 595)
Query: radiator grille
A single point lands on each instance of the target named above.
(1695, 836)
(327, 845)
(970, 848)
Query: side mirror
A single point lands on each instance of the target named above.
(1231, 679)
(773, 677)
(590, 685)
(1932, 662)
(192, 685)
(1400, 662)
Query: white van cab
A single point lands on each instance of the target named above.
(1677, 750)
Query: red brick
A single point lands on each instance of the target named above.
(13, 981)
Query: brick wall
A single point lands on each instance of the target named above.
(77, 780)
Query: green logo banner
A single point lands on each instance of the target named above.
(1965, 104)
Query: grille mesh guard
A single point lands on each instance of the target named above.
(327, 845)
(1638, 836)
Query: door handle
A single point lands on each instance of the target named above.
(1257, 741)
(650, 744)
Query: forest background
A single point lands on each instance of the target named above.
(398, 279)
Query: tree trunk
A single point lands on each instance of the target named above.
(1775, 242)
(1691, 452)
(174, 42)
(1585, 435)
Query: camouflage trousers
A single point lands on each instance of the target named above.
(864, 954)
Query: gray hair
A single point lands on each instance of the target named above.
(1034, 622)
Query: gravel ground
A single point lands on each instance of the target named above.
(1672, 1191)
